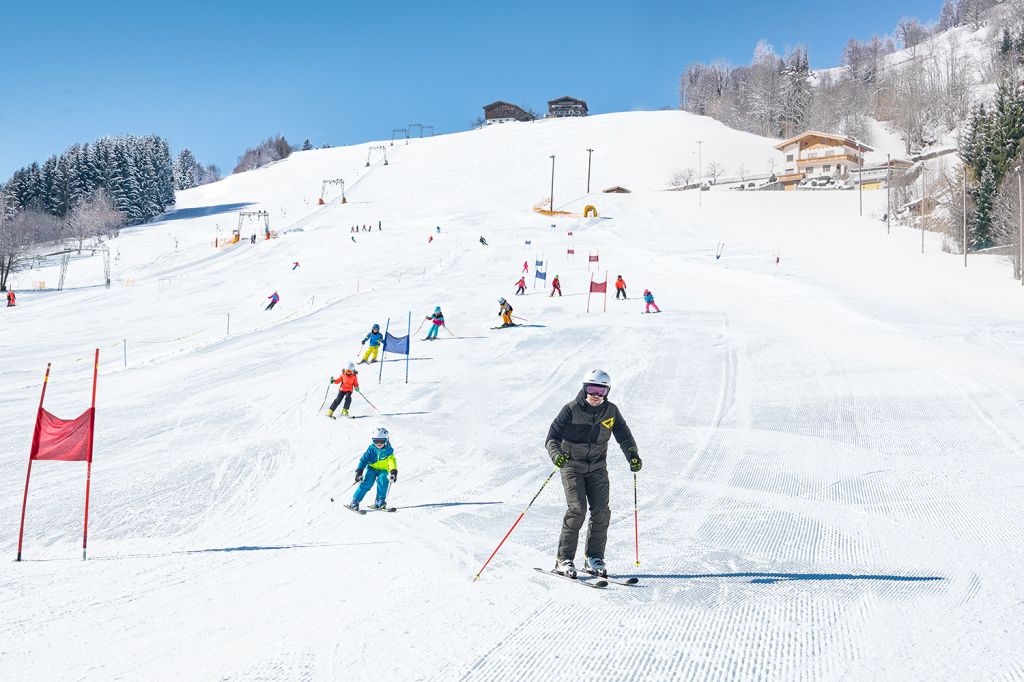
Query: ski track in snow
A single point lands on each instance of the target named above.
(832, 463)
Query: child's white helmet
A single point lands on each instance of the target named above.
(380, 433)
(351, 367)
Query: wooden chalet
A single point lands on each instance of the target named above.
(820, 155)
(616, 190)
(503, 112)
(565, 107)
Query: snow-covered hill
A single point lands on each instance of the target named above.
(830, 423)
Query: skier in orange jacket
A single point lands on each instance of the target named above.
(349, 381)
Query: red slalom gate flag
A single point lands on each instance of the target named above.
(67, 440)
(599, 287)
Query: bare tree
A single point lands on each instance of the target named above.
(741, 170)
(910, 32)
(682, 178)
(715, 171)
(94, 216)
(19, 235)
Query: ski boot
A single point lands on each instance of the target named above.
(595, 566)
(354, 506)
(330, 414)
(380, 505)
(344, 413)
(565, 567)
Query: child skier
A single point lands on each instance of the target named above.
(349, 381)
(521, 291)
(274, 298)
(526, 266)
(10, 299)
(483, 241)
(506, 313)
(649, 300)
(437, 321)
(620, 288)
(555, 286)
(374, 337)
(383, 470)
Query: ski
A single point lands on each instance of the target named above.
(507, 326)
(597, 584)
(631, 582)
(361, 512)
(376, 509)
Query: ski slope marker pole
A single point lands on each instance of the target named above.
(636, 522)
(521, 515)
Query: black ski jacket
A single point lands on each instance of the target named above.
(582, 432)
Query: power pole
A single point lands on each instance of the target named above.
(552, 198)
(700, 175)
(590, 152)
(860, 184)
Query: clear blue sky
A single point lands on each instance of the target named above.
(218, 77)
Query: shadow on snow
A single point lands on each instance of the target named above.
(448, 504)
(200, 211)
(772, 578)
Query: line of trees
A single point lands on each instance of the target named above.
(188, 172)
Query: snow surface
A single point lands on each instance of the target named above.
(832, 442)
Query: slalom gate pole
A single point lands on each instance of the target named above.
(520, 518)
(636, 522)
(24, 501)
(88, 467)
(368, 400)
(326, 393)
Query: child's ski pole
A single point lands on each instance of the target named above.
(327, 393)
(368, 400)
(348, 488)
(636, 522)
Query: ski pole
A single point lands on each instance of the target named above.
(360, 393)
(326, 393)
(520, 318)
(636, 522)
(348, 488)
(521, 515)
(421, 325)
(445, 327)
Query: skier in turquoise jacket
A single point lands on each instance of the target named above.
(374, 337)
(377, 465)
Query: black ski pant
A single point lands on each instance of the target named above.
(342, 395)
(621, 291)
(520, 291)
(272, 304)
(582, 489)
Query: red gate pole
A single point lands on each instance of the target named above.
(605, 291)
(35, 442)
(590, 291)
(88, 466)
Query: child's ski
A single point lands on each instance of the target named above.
(597, 584)
(388, 509)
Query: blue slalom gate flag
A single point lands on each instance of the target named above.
(528, 242)
(539, 263)
(396, 344)
(540, 275)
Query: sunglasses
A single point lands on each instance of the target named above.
(596, 390)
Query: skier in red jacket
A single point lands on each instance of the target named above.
(522, 286)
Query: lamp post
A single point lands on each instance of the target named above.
(589, 154)
(700, 174)
(888, 191)
(860, 184)
(552, 197)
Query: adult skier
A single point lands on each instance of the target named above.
(375, 338)
(436, 322)
(380, 467)
(483, 241)
(620, 287)
(526, 266)
(521, 291)
(349, 381)
(649, 301)
(274, 298)
(11, 302)
(577, 443)
(555, 286)
(505, 311)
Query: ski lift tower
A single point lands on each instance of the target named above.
(332, 183)
(427, 127)
(405, 131)
(244, 216)
(416, 125)
(376, 148)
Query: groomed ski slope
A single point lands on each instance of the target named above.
(832, 444)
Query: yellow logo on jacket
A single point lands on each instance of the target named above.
(608, 423)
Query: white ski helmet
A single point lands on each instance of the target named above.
(380, 433)
(351, 367)
(597, 377)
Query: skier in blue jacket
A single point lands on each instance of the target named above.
(375, 338)
(380, 467)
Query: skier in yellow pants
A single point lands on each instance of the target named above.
(375, 338)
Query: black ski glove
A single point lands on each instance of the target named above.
(635, 464)
(359, 475)
(394, 475)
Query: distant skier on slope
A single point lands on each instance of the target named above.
(555, 286)
(526, 266)
(620, 287)
(649, 301)
(295, 264)
(577, 443)
(436, 322)
(505, 311)
(375, 338)
(349, 382)
(11, 300)
(274, 298)
(522, 286)
(379, 458)
(483, 241)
